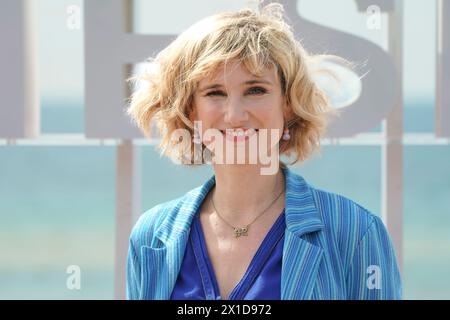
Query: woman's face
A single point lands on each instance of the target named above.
(235, 99)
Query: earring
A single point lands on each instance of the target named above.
(286, 135)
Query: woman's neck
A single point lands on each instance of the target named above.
(241, 192)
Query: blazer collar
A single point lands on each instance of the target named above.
(301, 258)
(301, 214)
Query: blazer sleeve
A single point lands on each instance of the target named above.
(373, 272)
(133, 274)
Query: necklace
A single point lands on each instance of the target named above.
(243, 231)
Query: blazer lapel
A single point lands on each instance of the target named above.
(301, 258)
(154, 275)
(161, 264)
(160, 268)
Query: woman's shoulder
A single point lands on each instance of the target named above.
(166, 215)
(148, 222)
(342, 215)
(339, 214)
(352, 227)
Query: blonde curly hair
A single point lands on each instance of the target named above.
(258, 39)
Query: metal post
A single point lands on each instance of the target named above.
(392, 149)
(442, 115)
(128, 207)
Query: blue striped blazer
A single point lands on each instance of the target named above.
(333, 247)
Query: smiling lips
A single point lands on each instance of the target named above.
(238, 134)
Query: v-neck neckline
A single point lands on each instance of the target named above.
(206, 268)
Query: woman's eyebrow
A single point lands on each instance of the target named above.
(253, 81)
(258, 81)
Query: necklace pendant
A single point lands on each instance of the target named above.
(241, 232)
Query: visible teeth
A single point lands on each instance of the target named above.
(239, 132)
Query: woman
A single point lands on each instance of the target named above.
(240, 84)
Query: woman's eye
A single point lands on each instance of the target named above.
(214, 93)
(257, 90)
(254, 90)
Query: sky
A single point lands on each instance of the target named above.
(61, 48)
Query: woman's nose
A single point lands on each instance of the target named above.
(236, 112)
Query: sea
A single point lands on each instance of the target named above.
(57, 205)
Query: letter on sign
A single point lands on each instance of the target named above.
(109, 50)
(19, 105)
(379, 85)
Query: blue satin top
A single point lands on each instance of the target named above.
(261, 281)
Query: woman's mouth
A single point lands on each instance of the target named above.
(238, 134)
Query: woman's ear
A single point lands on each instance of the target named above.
(288, 112)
